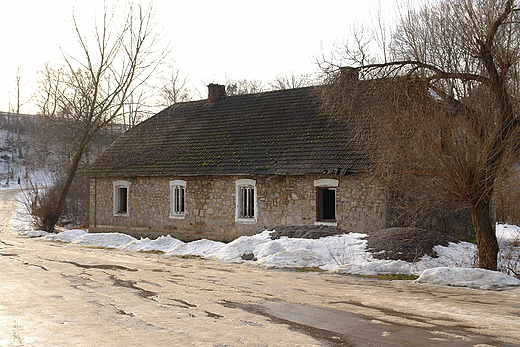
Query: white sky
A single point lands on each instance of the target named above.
(211, 40)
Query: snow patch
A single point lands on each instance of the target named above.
(72, 235)
(342, 254)
(463, 277)
(202, 248)
(162, 244)
(234, 250)
(298, 258)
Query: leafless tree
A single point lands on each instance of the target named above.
(244, 86)
(366, 43)
(446, 106)
(291, 80)
(18, 80)
(174, 88)
(92, 87)
(138, 107)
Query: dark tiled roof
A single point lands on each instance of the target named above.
(280, 132)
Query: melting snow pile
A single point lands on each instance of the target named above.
(475, 278)
(342, 254)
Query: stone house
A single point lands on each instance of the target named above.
(229, 166)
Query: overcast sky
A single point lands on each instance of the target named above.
(212, 40)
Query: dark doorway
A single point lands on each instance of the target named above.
(326, 204)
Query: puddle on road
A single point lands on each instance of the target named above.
(327, 338)
(393, 313)
(342, 328)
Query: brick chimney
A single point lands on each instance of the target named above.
(216, 92)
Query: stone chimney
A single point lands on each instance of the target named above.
(216, 92)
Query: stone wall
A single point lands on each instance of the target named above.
(210, 205)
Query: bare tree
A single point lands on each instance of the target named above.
(291, 80)
(174, 88)
(91, 88)
(18, 80)
(136, 109)
(365, 44)
(244, 86)
(449, 122)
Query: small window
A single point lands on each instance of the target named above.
(246, 209)
(247, 202)
(121, 194)
(177, 199)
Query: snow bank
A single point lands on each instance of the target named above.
(509, 245)
(162, 244)
(342, 254)
(508, 233)
(298, 258)
(202, 248)
(234, 250)
(36, 233)
(281, 253)
(375, 267)
(463, 277)
(105, 240)
(68, 235)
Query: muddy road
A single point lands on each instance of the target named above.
(58, 294)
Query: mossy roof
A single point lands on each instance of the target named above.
(279, 132)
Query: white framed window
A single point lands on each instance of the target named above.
(121, 196)
(246, 206)
(326, 201)
(178, 199)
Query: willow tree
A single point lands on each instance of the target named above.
(96, 80)
(448, 120)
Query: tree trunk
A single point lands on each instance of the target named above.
(49, 221)
(487, 244)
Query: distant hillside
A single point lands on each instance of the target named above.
(32, 146)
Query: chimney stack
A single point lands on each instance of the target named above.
(216, 92)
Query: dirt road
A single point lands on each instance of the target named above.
(56, 294)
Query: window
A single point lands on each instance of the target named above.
(326, 201)
(178, 199)
(247, 202)
(121, 194)
(246, 209)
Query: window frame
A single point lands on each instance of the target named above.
(175, 185)
(118, 186)
(250, 185)
(326, 184)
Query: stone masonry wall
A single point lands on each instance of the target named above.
(210, 205)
